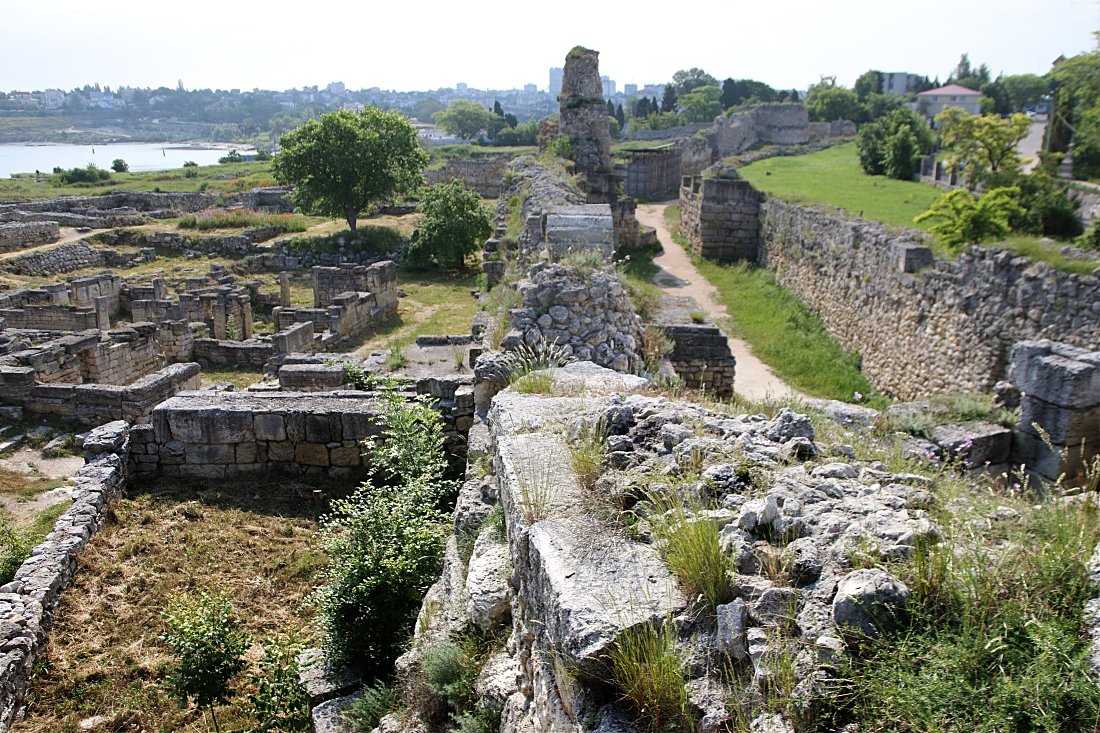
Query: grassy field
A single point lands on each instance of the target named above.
(223, 178)
(434, 304)
(105, 657)
(782, 332)
(832, 177)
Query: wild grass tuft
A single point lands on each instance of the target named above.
(586, 455)
(649, 674)
(689, 543)
(242, 219)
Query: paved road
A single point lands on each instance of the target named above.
(753, 379)
(1032, 143)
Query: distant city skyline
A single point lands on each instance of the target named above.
(429, 45)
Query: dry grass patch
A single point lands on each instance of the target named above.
(104, 657)
(26, 486)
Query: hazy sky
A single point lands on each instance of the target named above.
(427, 44)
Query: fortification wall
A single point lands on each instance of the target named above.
(485, 176)
(651, 173)
(720, 217)
(922, 327)
(55, 261)
(328, 282)
(18, 235)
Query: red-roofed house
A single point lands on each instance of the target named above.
(934, 101)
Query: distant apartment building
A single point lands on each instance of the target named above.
(530, 88)
(555, 80)
(934, 101)
(461, 86)
(608, 85)
(336, 87)
(898, 82)
(630, 90)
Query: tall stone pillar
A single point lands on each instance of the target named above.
(219, 316)
(160, 289)
(284, 289)
(246, 317)
(102, 313)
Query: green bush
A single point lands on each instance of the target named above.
(385, 542)
(893, 145)
(1046, 207)
(452, 226)
(964, 219)
(376, 701)
(233, 156)
(375, 240)
(14, 549)
(209, 648)
(280, 701)
(88, 174)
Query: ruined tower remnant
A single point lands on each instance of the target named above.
(584, 112)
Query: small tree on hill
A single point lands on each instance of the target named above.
(981, 145)
(209, 648)
(467, 119)
(344, 161)
(964, 219)
(453, 224)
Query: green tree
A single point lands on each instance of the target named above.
(280, 701)
(893, 145)
(1024, 90)
(701, 104)
(869, 82)
(453, 224)
(668, 99)
(979, 145)
(687, 79)
(209, 648)
(118, 165)
(465, 119)
(344, 161)
(828, 103)
(964, 219)
(620, 116)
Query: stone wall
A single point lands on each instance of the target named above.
(700, 351)
(651, 172)
(485, 176)
(719, 217)
(28, 603)
(50, 317)
(328, 282)
(233, 246)
(60, 259)
(584, 112)
(126, 354)
(922, 327)
(144, 201)
(231, 434)
(92, 404)
(83, 291)
(251, 353)
(581, 309)
(18, 235)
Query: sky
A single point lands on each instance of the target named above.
(495, 44)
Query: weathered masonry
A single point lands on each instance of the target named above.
(720, 217)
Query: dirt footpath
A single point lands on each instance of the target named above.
(678, 276)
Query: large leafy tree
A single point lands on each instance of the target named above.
(980, 145)
(466, 119)
(687, 79)
(344, 161)
(963, 218)
(893, 145)
(826, 102)
(701, 104)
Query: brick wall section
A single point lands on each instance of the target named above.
(720, 217)
(19, 235)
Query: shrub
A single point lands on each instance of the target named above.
(893, 145)
(263, 155)
(209, 647)
(385, 543)
(376, 701)
(190, 164)
(453, 225)
(233, 156)
(118, 165)
(280, 701)
(965, 219)
(14, 549)
(376, 240)
(190, 172)
(88, 174)
(1046, 208)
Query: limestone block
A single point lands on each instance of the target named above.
(1057, 373)
(733, 621)
(269, 427)
(869, 601)
(205, 453)
(1064, 426)
(311, 454)
(976, 443)
(211, 424)
(345, 456)
(487, 589)
(280, 451)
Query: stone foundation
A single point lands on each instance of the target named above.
(484, 176)
(21, 235)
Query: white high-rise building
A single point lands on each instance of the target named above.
(555, 80)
